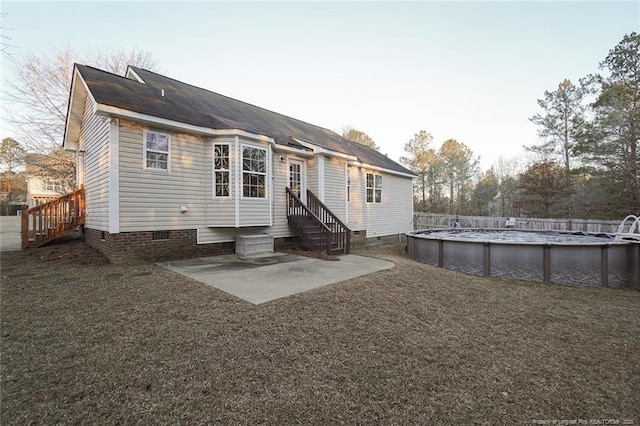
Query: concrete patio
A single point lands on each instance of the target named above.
(264, 277)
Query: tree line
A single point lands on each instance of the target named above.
(36, 106)
(586, 163)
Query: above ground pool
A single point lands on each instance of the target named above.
(563, 257)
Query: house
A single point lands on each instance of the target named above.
(40, 187)
(172, 170)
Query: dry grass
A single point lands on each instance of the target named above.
(87, 342)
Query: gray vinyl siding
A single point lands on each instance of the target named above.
(94, 140)
(255, 211)
(395, 213)
(335, 186)
(312, 175)
(151, 199)
(221, 235)
(357, 220)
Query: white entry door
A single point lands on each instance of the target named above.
(296, 178)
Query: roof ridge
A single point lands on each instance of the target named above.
(104, 72)
(241, 101)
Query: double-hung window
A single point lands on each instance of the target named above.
(156, 150)
(53, 185)
(374, 188)
(221, 170)
(254, 172)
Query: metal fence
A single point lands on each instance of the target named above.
(423, 220)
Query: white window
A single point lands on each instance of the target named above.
(374, 188)
(254, 172)
(221, 170)
(156, 150)
(53, 185)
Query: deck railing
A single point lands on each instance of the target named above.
(47, 221)
(340, 233)
(301, 219)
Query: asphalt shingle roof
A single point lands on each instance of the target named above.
(200, 107)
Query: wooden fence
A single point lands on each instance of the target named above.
(423, 220)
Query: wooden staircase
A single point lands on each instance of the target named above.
(45, 222)
(318, 227)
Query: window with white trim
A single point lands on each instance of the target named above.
(254, 172)
(53, 185)
(374, 188)
(156, 150)
(221, 170)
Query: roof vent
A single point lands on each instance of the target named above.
(162, 92)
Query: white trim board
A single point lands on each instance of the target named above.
(124, 113)
(114, 176)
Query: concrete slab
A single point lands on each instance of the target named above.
(10, 239)
(265, 277)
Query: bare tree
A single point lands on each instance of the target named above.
(12, 157)
(484, 193)
(358, 136)
(460, 166)
(11, 154)
(421, 159)
(58, 166)
(5, 39)
(507, 172)
(37, 99)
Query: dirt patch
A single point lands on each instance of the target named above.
(410, 345)
(67, 249)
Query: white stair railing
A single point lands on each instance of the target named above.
(629, 229)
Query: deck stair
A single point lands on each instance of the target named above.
(319, 228)
(43, 223)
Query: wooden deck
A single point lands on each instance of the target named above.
(47, 221)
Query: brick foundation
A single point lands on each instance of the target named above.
(132, 247)
(362, 240)
(358, 238)
(286, 243)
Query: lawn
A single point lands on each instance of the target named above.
(84, 341)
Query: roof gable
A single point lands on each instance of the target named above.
(163, 97)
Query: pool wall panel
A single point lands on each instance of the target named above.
(517, 261)
(575, 264)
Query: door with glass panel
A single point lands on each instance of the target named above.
(296, 178)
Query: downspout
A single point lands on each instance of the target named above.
(237, 179)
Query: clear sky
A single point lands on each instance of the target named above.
(471, 71)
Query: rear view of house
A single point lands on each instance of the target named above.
(171, 170)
